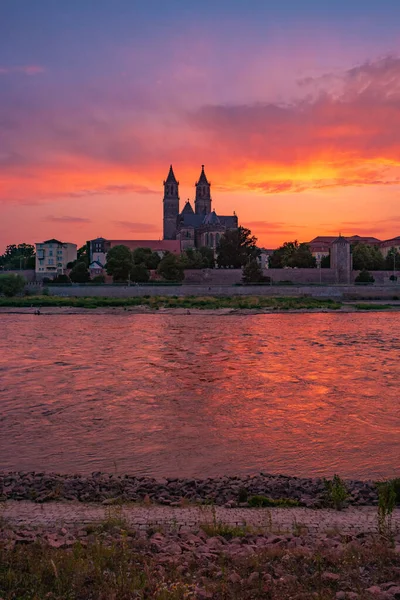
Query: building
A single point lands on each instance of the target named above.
(53, 256)
(99, 247)
(320, 246)
(387, 245)
(196, 227)
(341, 259)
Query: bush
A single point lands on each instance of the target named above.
(336, 492)
(364, 277)
(61, 278)
(98, 279)
(262, 501)
(11, 285)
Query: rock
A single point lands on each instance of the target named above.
(374, 590)
(327, 576)
(395, 592)
(234, 578)
(253, 577)
(340, 595)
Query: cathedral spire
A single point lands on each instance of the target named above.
(203, 178)
(203, 194)
(171, 176)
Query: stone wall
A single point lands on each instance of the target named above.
(328, 291)
(29, 274)
(299, 276)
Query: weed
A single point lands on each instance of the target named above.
(386, 504)
(261, 501)
(336, 492)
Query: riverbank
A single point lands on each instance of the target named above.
(230, 492)
(80, 551)
(187, 305)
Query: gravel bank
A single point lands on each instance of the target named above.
(230, 492)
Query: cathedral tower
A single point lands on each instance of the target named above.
(202, 202)
(171, 206)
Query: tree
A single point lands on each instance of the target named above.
(326, 262)
(192, 259)
(236, 247)
(21, 256)
(364, 277)
(392, 260)
(11, 285)
(292, 254)
(80, 273)
(146, 257)
(82, 256)
(208, 257)
(171, 268)
(252, 272)
(98, 279)
(367, 257)
(139, 273)
(119, 263)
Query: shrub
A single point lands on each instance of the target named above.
(99, 279)
(364, 277)
(263, 501)
(336, 492)
(386, 502)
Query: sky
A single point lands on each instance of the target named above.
(292, 105)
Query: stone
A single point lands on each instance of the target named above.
(253, 577)
(234, 578)
(395, 592)
(327, 576)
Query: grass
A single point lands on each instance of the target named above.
(361, 306)
(156, 302)
(264, 501)
(123, 571)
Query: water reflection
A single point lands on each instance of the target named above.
(201, 395)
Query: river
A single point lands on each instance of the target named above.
(200, 395)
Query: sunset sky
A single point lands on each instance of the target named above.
(292, 105)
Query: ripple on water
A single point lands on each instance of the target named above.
(192, 395)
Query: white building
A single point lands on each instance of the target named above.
(53, 256)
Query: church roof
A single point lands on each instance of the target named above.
(187, 209)
(171, 176)
(211, 219)
(202, 178)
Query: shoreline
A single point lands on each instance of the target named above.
(346, 308)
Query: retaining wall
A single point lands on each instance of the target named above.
(329, 291)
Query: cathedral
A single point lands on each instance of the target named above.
(193, 228)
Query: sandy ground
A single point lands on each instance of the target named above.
(350, 520)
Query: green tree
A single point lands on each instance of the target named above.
(364, 277)
(292, 254)
(367, 257)
(208, 257)
(252, 272)
(139, 273)
(236, 247)
(171, 268)
(80, 273)
(21, 256)
(146, 257)
(192, 259)
(119, 263)
(11, 285)
(392, 260)
(326, 262)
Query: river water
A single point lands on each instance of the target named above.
(201, 395)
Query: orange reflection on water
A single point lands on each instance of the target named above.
(197, 395)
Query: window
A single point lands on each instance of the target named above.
(50, 252)
(51, 261)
